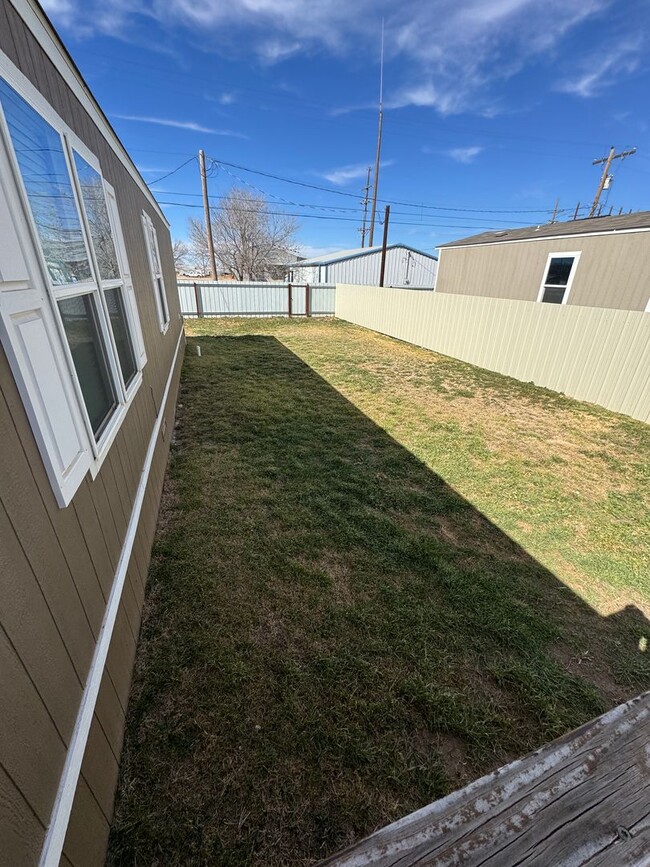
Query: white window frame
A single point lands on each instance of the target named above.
(130, 300)
(153, 256)
(567, 289)
(31, 244)
(127, 392)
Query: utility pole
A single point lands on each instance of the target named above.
(383, 246)
(605, 178)
(378, 155)
(365, 208)
(557, 205)
(208, 221)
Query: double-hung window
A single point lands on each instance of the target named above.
(87, 316)
(558, 277)
(158, 283)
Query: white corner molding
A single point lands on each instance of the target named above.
(56, 832)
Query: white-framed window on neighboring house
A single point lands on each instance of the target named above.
(73, 305)
(157, 280)
(558, 277)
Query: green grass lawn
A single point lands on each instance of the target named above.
(379, 573)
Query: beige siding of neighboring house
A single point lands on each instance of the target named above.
(613, 271)
(57, 564)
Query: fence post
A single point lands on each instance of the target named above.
(289, 299)
(199, 300)
(307, 300)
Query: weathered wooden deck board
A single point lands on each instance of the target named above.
(583, 799)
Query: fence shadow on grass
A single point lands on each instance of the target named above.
(333, 636)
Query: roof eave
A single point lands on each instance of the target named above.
(114, 141)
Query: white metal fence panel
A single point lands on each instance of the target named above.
(230, 298)
(298, 304)
(322, 300)
(590, 353)
(187, 299)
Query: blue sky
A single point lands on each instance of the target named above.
(492, 107)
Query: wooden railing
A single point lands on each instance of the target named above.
(582, 799)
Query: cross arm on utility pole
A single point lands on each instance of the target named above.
(612, 155)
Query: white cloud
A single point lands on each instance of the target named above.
(227, 98)
(276, 50)
(465, 155)
(58, 7)
(306, 251)
(459, 56)
(180, 124)
(345, 174)
(604, 69)
(153, 170)
(451, 53)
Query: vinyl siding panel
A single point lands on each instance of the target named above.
(613, 271)
(57, 565)
(21, 829)
(88, 830)
(589, 353)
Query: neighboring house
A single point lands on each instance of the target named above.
(405, 267)
(597, 262)
(91, 346)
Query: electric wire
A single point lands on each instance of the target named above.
(385, 201)
(173, 171)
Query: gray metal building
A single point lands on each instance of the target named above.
(598, 262)
(405, 267)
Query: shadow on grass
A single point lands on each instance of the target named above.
(333, 637)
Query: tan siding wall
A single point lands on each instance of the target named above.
(613, 271)
(592, 354)
(57, 565)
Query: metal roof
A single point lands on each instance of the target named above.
(342, 255)
(624, 222)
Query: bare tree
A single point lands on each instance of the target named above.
(198, 246)
(250, 241)
(180, 251)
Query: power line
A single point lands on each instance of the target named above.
(173, 171)
(338, 208)
(331, 218)
(420, 205)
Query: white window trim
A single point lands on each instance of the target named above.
(162, 309)
(126, 392)
(130, 300)
(30, 241)
(564, 254)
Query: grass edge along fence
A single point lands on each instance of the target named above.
(207, 298)
(589, 353)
